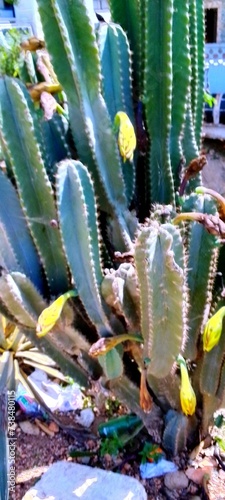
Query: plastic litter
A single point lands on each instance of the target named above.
(156, 469)
(27, 404)
(54, 395)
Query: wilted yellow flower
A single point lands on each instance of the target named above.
(105, 344)
(126, 137)
(187, 394)
(51, 314)
(213, 330)
(146, 400)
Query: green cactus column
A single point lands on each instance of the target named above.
(72, 43)
(158, 95)
(181, 83)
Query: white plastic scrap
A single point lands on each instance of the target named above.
(156, 469)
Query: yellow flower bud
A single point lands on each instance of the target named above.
(213, 329)
(51, 314)
(126, 138)
(187, 394)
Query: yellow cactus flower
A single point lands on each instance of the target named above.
(213, 329)
(51, 314)
(187, 394)
(126, 137)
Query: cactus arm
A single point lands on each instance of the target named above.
(119, 289)
(158, 96)
(11, 297)
(33, 185)
(25, 304)
(63, 334)
(177, 431)
(115, 64)
(201, 262)
(78, 221)
(64, 361)
(96, 146)
(212, 363)
(161, 282)
(115, 60)
(181, 82)
(128, 15)
(15, 234)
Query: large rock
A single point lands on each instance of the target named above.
(67, 481)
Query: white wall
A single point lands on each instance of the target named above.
(26, 13)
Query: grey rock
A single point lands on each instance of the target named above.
(176, 480)
(67, 481)
(29, 428)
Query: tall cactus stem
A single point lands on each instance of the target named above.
(181, 82)
(158, 96)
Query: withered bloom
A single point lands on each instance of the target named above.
(32, 44)
(212, 223)
(146, 400)
(194, 167)
(217, 196)
(105, 344)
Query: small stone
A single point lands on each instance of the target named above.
(29, 428)
(176, 480)
(86, 417)
(85, 460)
(53, 427)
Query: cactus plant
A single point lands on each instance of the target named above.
(148, 282)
